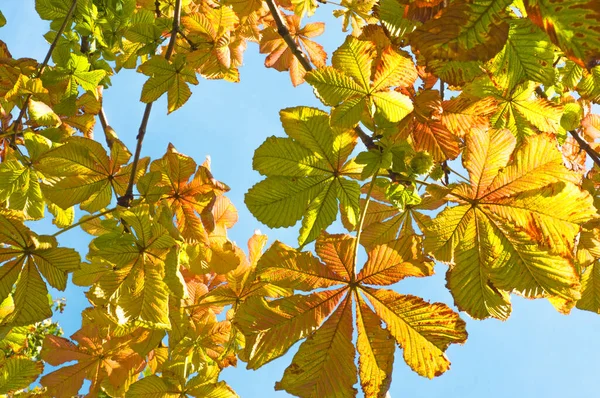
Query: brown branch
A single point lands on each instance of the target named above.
(126, 199)
(586, 147)
(62, 28)
(284, 32)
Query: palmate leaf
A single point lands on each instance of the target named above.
(356, 14)
(127, 271)
(571, 25)
(18, 372)
(216, 53)
(242, 282)
(25, 258)
(359, 81)
(186, 189)
(324, 318)
(20, 181)
(518, 109)
(168, 77)
(173, 384)
(514, 226)
(99, 357)
(81, 172)
(281, 57)
(306, 175)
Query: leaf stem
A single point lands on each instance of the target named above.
(457, 173)
(126, 199)
(70, 227)
(361, 222)
(41, 69)
(586, 147)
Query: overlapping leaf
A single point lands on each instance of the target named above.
(25, 258)
(280, 55)
(464, 33)
(127, 271)
(518, 110)
(101, 359)
(324, 318)
(216, 53)
(306, 175)
(514, 227)
(81, 172)
(571, 25)
(188, 200)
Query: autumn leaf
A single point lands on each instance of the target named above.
(187, 199)
(17, 373)
(570, 25)
(281, 57)
(324, 318)
(518, 110)
(356, 14)
(216, 52)
(127, 271)
(514, 226)
(99, 358)
(169, 384)
(455, 42)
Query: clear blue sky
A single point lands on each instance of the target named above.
(536, 353)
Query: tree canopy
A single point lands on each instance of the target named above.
(459, 132)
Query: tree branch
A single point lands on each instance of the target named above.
(126, 199)
(284, 32)
(91, 217)
(586, 147)
(62, 28)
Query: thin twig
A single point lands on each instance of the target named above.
(62, 28)
(361, 222)
(586, 147)
(126, 199)
(102, 213)
(457, 173)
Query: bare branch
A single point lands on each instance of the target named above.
(126, 199)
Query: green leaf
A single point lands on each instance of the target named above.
(18, 373)
(528, 54)
(52, 9)
(304, 174)
(571, 25)
(167, 77)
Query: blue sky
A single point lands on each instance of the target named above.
(536, 353)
